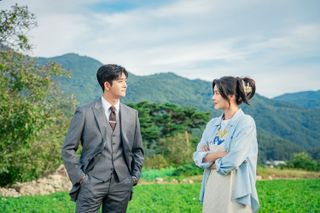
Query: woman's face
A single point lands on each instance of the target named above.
(218, 101)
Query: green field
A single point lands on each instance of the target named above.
(275, 196)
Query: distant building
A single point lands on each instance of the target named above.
(272, 163)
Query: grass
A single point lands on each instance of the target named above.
(57, 202)
(301, 195)
(152, 174)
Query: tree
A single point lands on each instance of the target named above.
(302, 160)
(15, 24)
(33, 111)
(159, 121)
(177, 149)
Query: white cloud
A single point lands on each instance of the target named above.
(268, 41)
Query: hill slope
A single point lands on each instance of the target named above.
(282, 126)
(306, 99)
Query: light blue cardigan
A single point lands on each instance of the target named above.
(242, 147)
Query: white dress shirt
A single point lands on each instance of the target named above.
(106, 106)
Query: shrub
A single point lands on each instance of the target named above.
(177, 149)
(303, 161)
(155, 162)
(187, 170)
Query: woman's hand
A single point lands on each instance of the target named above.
(204, 148)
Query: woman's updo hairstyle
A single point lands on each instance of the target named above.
(243, 88)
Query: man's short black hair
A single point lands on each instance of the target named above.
(110, 72)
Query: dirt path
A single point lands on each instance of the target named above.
(57, 182)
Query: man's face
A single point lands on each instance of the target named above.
(119, 86)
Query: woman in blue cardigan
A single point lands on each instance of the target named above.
(228, 150)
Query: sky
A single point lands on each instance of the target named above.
(277, 43)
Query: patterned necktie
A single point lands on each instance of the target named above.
(112, 117)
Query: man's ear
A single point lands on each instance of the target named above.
(107, 86)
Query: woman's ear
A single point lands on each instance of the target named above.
(232, 98)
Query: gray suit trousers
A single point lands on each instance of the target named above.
(111, 194)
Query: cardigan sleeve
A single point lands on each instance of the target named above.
(242, 142)
(198, 155)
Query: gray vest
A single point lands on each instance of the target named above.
(111, 159)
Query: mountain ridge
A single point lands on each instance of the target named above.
(287, 122)
(299, 98)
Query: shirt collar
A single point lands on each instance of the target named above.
(233, 120)
(106, 105)
(236, 117)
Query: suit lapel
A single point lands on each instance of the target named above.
(100, 117)
(123, 126)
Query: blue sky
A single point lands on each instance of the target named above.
(275, 42)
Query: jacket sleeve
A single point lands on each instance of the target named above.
(137, 150)
(241, 144)
(198, 155)
(70, 147)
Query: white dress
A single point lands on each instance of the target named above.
(219, 190)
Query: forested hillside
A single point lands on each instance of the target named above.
(284, 128)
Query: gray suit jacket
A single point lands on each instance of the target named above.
(88, 127)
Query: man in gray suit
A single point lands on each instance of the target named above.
(112, 154)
